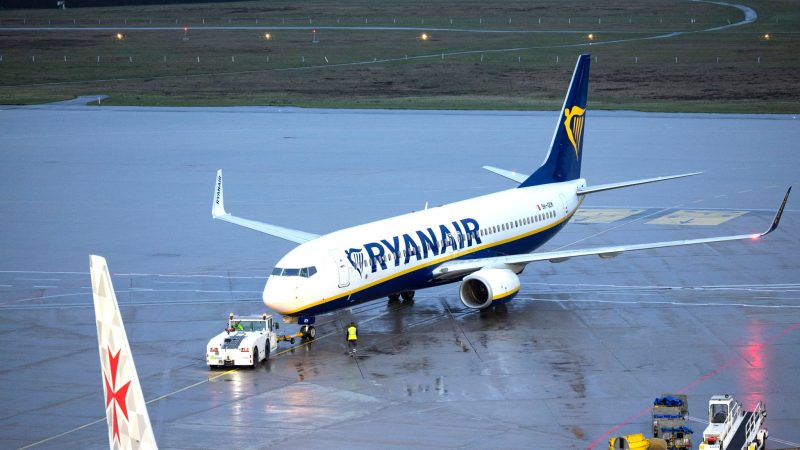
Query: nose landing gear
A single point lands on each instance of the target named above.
(308, 332)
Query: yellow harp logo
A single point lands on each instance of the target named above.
(574, 125)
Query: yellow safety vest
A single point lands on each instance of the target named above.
(351, 334)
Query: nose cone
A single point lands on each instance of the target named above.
(280, 295)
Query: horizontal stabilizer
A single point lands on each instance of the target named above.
(514, 176)
(608, 187)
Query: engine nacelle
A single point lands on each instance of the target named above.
(485, 286)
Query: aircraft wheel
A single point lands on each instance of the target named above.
(407, 295)
(394, 298)
(312, 332)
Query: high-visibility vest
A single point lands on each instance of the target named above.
(351, 333)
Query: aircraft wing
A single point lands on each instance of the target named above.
(218, 212)
(457, 268)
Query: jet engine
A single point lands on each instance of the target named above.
(479, 289)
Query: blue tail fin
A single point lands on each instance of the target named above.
(563, 162)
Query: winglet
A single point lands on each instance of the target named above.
(778, 214)
(218, 202)
(126, 411)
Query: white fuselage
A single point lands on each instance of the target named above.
(397, 254)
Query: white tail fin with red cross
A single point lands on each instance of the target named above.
(126, 412)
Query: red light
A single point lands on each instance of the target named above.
(185, 29)
(314, 30)
(712, 440)
(244, 350)
(755, 236)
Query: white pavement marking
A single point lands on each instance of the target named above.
(142, 274)
(38, 279)
(201, 291)
(210, 379)
(190, 301)
(670, 303)
(718, 287)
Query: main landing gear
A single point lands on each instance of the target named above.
(407, 296)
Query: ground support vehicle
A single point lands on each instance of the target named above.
(732, 428)
(246, 341)
(669, 421)
(636, 442)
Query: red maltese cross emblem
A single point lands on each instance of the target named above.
(118, 396)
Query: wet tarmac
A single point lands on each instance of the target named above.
(576, 358)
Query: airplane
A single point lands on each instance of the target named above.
(483, 242)
(126, 411)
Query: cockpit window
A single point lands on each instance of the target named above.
(305, 272)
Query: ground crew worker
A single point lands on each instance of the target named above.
(238, 326)
(352, 337)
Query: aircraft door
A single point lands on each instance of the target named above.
(341, 266)
(564, 203)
